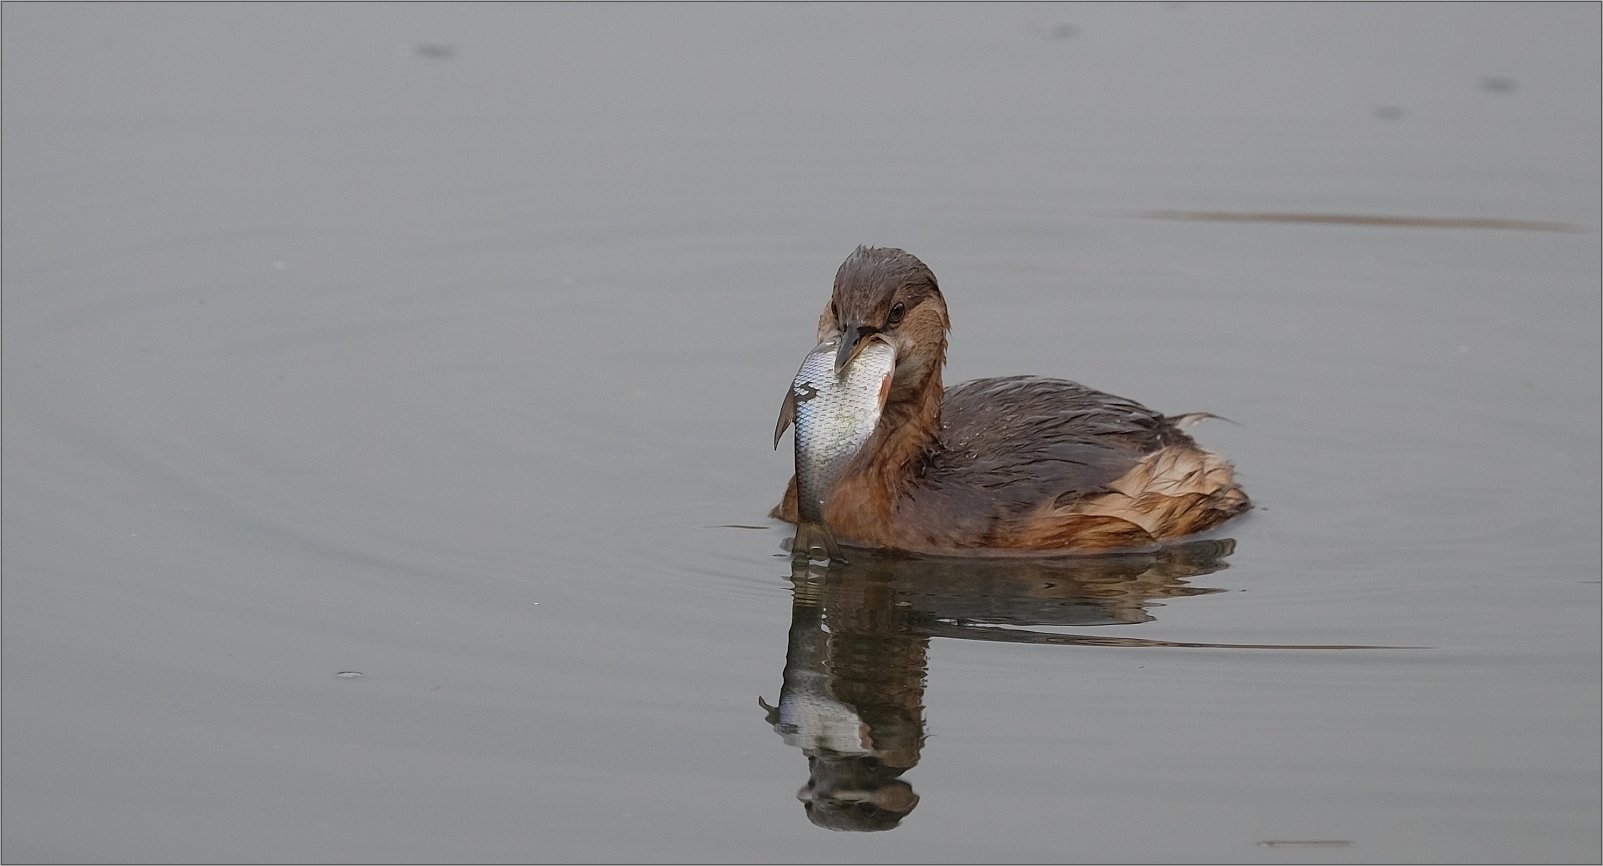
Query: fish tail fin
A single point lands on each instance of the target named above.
(812, 536)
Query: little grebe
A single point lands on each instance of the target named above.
(1019, 463)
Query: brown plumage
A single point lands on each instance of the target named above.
(1019, 463)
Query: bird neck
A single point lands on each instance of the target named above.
(911, 429)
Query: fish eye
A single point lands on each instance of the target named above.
(895, 318)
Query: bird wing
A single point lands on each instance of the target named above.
(1021, 441)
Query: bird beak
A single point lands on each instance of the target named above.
(851, 342)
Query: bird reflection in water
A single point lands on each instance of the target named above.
(853, 692)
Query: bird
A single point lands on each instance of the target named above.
(1000, 465)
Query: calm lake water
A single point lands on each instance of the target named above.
(388, 397)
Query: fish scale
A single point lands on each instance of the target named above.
(834, 417)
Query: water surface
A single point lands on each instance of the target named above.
(443, 345)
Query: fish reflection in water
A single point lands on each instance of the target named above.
(853, 693)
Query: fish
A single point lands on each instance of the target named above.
(835, 415)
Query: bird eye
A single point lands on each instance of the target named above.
(834, 312)
(897, 312)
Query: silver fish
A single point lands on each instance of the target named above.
(835, 415)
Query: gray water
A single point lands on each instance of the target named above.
(443, 345)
